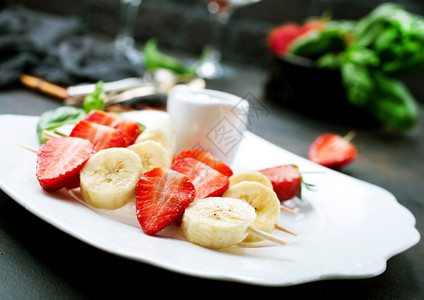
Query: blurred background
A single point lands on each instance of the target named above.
(183, 25)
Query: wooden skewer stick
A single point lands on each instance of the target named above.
(251, 230)
(46, 134)
(286, 209)
(266, 236)
(50, 135)
(29, 148)
(278, 227)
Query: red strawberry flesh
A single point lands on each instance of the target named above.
(207, 181)
(101, 117)
(162, 195)
(101, 136)
(131, 128)
(206, 158)
(59, 161)
(286, 180)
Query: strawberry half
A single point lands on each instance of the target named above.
(101, 136)
(60, 160)
(286, 181)
(207, 181)
(101, 117)
(206, 158)
(333, 151)
(131, 128)
(162, 195)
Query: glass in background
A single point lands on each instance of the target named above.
(220, 12)
(124, 39)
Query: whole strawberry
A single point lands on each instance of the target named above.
(332, 150)
(280, 37)
(286, 181)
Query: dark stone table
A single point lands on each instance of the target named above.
(38, 261)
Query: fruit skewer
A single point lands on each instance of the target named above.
(220, 222)
(271, 182)
(251, 230)
(87, 175)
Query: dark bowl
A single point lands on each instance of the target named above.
(297, 83)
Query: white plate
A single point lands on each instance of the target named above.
(347, 228)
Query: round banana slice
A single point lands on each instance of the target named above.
(250, 176)
(152, 154)
(109, 178)
(216, 222)
(265, 202)
(162, 132)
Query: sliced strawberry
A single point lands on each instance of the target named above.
(333, 151)
(59, 161)
(207, 181)
(130, 128)
(101, 136)
(206, 158)
(286, 181)
(101, 117)
(162, 195)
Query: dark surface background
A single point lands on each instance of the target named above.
(38, 261)
(183, 25)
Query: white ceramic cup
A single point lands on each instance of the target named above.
(206, 119)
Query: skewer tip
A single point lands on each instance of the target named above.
(28, 148)
(266, 236)
(286, 209)
(278, 227)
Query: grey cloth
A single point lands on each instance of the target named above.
(57, 49)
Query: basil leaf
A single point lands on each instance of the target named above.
(318, 43)
(154, 59)
(357, 82)
(55, 118)
(95, 100)
(392, 103)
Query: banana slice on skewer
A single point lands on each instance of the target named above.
(152, 154)
(257, 177)
(162, 132)
(109, 178)
(217, 222)
(265, 202)
(250, 176)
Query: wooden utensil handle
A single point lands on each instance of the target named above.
(44, 86)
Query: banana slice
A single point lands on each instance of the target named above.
(250, 176)
(265, 202)
(152, 154)
(162, 132)
(217, 222)
(109, 178)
